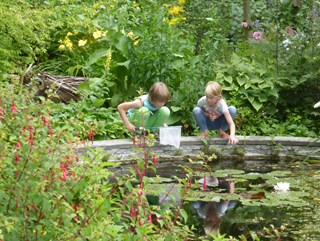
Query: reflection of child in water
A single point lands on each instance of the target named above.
(212, 212)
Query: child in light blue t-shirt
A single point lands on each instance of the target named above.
(147, 111)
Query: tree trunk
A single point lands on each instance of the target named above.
(247, 18)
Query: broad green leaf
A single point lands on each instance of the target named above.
(99, 102)
(241, 80)
(96, 56)
(247, 85)
(84, 86)
(173, 118)
(184, 214)
(228, 79)
(125, 64)
(256, 105)
(175, 108)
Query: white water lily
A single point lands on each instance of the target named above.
(282, 186)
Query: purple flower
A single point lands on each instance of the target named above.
(257, 35)
(244, 24)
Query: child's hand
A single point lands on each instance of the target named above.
(131, 128)
(212, 116)
(232, 141)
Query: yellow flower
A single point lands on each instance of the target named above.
(108, 59)
(182, 1)
(175, 10)
(97, 34)
(175, 21)
(165, 5)
(69, 34)
(69, 45)
(62, 47)
(82, 42)
(136, 42)
(130, 35)
(135, 5)
(96, 5)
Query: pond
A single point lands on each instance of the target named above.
(253, 205)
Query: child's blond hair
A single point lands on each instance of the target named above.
(213, 89)
(159, 92)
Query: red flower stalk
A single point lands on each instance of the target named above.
(46, 122)
(31, 140)
(2, 112)
(13, 107)
(17, 158)
(205, 183)
(137, 171)
(150, 217)
(18, 146)
(154, 160)
(132, 211)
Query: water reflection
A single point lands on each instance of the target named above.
(212, 212)
(258, 206)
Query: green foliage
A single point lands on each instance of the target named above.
(124, 46)
(49, 192)
(23, 36)
(250, 80)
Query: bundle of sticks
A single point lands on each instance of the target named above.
(63, 88)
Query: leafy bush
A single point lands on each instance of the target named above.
(50, 192)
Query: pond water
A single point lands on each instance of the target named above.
(254, 204)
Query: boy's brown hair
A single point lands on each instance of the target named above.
(159, 92)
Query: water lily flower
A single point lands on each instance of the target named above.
(244, 24)
(257, 35)
(282, 186)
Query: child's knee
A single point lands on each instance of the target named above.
(197, 110)
(232, 111)
(165, 111)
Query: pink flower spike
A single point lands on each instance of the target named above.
(2, 112)
(18, 146)
(257, 35)
(205, 183)
(17, 158)
(150, 217)
(13, 107)
(244, 24)
(154, 160)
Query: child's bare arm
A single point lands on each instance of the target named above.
(232, 127)
(123, 108)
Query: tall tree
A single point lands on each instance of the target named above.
(247, 18)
